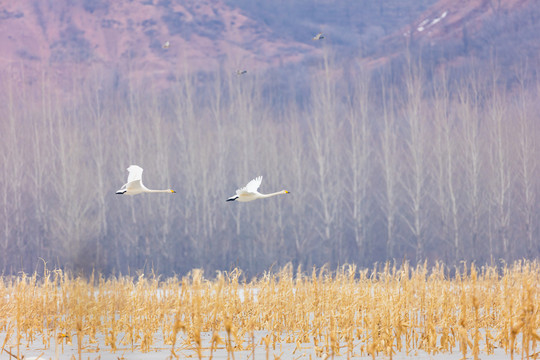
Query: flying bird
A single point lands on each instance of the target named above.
(134, 183)
(241, 72)
(166, 44)
(319, 36)
(249, 192)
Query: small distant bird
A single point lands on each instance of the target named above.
(241, 72)
(166, 44)
(134, 183)
(319, 36)
(249, 192)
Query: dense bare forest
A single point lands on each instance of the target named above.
(381, 165)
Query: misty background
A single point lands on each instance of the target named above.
(392, 147)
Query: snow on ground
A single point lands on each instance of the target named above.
(159, 350)
(426, 23)
(422, 24)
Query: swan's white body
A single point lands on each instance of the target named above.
(134, 183)
(250, 193)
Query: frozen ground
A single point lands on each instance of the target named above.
(161, 351)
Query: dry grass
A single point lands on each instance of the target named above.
(345, 312)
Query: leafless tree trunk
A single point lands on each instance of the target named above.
(324, 126)
(447, 141)
(302, 232)
(359, 154)
(468, 112)
(97, 107)
(73, 217)
(499, 158)
(389, 169)
(527, 174)
(415, 181)
(13, 170)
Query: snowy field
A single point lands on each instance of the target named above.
(401, 313)
(283, 350)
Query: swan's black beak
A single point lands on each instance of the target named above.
(172, 191)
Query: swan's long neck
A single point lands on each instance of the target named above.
(159, 191)
(273, 194)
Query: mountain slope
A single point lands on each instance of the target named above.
(202, 35)
(127, 36)
(456, 33)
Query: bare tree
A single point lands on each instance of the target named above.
(500, 183)
(468, 113)
(415, 181)
(324, 126)
(12, 181)
(447, 142)
(302, 232)
(358, 152)
(98, 111)
(389, 169)
(73, 216)
(527, 174)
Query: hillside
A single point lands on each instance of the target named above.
(457, 33)
(203, 35)
(68, 37)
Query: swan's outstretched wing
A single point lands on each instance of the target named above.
(135, 173)
(251, 186)
(134, 184)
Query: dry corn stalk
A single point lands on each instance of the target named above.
(358, 312)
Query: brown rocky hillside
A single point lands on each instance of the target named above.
(203, 35)
(67, 37)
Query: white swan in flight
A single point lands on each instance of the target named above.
(319, 36)
(134, 183)
(249, 192)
